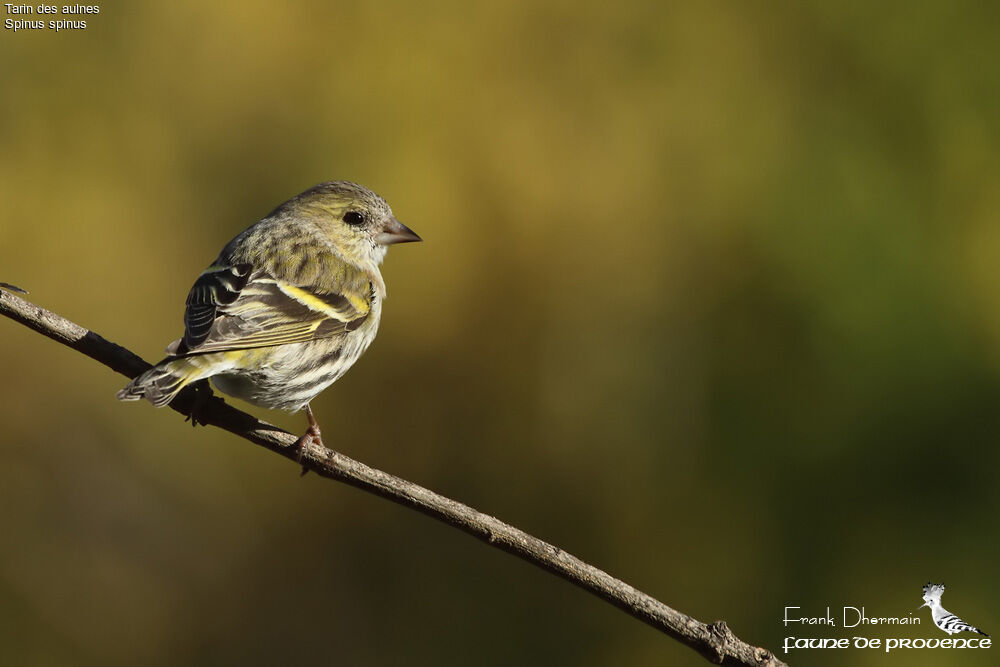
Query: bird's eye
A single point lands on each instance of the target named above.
(353, 218)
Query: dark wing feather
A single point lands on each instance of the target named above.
(234, 307)
(214, 288)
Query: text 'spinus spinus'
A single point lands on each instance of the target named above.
(289, 305)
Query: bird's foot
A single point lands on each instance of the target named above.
(312, 436)
(202, 396)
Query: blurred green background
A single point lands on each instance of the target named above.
(709, 297)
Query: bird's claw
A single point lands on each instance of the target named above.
(311, 436)
(202, 396)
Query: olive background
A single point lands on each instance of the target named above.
(708, 297)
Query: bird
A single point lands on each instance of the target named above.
(287, 307)
(943, 618)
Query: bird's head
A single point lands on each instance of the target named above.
(932, 594)
(357, 221)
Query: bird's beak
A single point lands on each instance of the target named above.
(922, 606)
(396, 232)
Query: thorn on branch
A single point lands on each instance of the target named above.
(13, 288)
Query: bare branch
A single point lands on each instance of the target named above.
(714, 641)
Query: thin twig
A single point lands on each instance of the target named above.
(714, 641)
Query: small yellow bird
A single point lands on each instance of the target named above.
(289, 305)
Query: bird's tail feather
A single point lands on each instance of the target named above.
(161, 383)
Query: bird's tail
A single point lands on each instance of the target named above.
(980, 632)
(161, 383)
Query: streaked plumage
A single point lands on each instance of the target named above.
(288, 306)
(943, 618)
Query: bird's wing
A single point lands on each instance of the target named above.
(236, 307)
